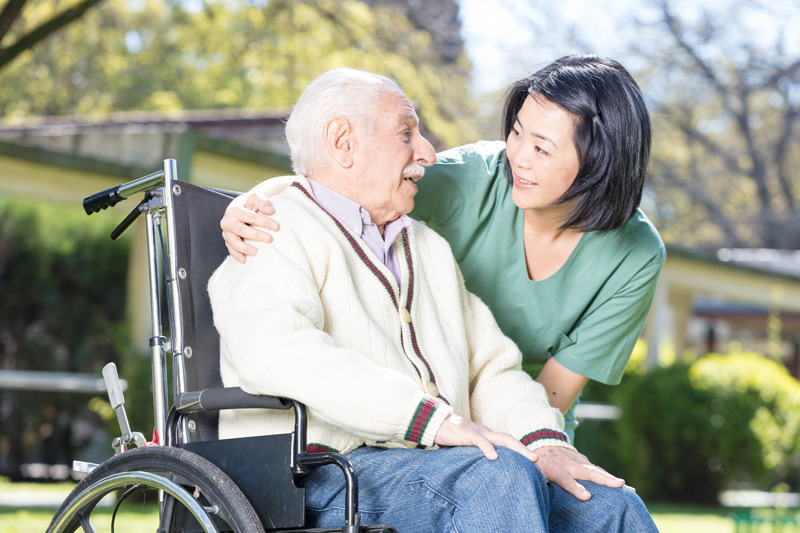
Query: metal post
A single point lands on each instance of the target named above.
(157, 341)
(171, 186)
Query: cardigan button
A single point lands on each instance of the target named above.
(406, 315)
(432, 389)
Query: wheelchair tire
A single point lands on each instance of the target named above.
(187, 469)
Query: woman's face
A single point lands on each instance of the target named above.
(541, 153)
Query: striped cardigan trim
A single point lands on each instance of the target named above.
(354, 244)
(412, 332)
(544, 434)
(414, 343)
(316, 447)
(422, 416)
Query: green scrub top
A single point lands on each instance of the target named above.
(587, 315)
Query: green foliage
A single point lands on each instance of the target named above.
(773, 396)
(155, 55)
(688, 431)
(62, 309)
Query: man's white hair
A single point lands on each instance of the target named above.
(342, 92)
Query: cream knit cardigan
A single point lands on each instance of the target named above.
(316, 317)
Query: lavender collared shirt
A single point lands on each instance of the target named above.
(355, 217)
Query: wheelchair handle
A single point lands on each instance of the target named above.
(113, 385)
(111, 197)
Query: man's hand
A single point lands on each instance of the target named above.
(457, 431)
(565, 467)
(241, 218)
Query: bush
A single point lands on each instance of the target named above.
(689, 431)
(63, 286)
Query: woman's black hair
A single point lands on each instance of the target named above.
(611, 135)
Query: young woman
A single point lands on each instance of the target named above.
(545, 226)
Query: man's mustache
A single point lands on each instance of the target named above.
(414, 169)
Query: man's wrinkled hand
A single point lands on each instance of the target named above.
(565, 467)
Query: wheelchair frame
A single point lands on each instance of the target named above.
(187, 470)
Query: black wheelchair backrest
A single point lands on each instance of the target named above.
(200, 250)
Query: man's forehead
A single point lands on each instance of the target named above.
(409, 117)
(397, 105)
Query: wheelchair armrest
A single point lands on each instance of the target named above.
(235, 398)
(227, 398)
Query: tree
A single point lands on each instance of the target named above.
(31, 34)
(722, 80)
(725, 84)
(161, 55)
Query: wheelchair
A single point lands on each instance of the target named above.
(202, 483)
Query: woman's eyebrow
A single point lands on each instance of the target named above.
(537, 135)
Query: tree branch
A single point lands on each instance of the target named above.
(10, 13)
(45, 29)
(758, 174)
(781, 150)
(692, 135)
(699, 194)
(786, 72)
(677, 34)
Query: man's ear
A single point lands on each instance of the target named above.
(340, 142)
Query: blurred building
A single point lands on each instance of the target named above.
(745, 299)
(737, 300)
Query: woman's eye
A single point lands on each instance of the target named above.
(539, 150)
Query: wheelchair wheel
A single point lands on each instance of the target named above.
(203, 482)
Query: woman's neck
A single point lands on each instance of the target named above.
(547, 244)
(547, 223)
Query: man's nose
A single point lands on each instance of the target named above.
(424, 154)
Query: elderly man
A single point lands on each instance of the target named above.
(361, 313)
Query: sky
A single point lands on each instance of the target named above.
(499, 36)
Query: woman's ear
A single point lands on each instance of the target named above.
(340, 141)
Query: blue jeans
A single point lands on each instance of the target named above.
(459, 490)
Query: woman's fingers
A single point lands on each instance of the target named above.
(261, 204)
(239, 224)
(571, 485)
(601, 477)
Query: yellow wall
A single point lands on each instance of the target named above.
(20, 177)
(213, 170)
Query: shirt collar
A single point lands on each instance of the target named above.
(351, 214)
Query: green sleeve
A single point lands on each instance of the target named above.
(604, 338)
(451, 182)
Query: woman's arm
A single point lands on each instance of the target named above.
(562, 384)
(248, 212)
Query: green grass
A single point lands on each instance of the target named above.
(137, 520)
(135, 517)
(672, 518)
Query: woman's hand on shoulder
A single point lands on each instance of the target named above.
(242, 218)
